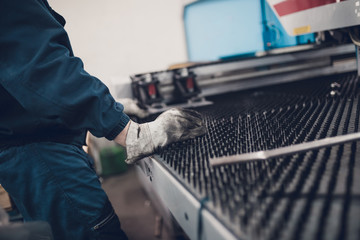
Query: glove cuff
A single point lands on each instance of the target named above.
(138, 142)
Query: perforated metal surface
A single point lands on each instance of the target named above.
(314, 195)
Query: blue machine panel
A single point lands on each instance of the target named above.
(219, 29)
(275, 36)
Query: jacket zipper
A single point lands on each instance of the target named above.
(105, 221)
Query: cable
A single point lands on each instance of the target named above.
(354, 39)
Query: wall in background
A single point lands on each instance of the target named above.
(116, 38)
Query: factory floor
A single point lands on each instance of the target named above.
(138, 217)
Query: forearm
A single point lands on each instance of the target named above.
(121, 138)
(39, 70)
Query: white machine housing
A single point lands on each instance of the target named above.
(307, 16)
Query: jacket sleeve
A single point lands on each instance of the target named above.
(37, 67)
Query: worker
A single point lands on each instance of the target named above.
(47, 104)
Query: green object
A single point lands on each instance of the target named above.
(113, 160)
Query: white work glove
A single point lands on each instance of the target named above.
(171, 126)
(131, 108)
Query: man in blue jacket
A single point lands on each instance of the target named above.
(47, 104)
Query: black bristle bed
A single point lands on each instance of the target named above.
(312, 195)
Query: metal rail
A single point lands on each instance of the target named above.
(283, 151)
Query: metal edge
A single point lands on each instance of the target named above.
(183, 205)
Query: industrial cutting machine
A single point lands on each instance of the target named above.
(271, 100)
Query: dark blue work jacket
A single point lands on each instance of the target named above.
(45, 94)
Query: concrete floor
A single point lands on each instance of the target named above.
(137, 214)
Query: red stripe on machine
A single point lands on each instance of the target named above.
(292, 6)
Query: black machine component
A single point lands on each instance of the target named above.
(160, 91)
(186, 85)
(146, 90)
(311, 195)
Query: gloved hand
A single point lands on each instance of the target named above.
(131, 107)
(171, 126)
